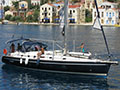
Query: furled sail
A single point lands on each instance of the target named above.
(62, 24)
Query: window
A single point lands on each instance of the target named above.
(70, 11)
(113, 22)
(102, 21)
(110, 14)
(107, 22)
(94, 14)
(45, 9)
(73, 11)
(49, 8)
(49, 13)
(113, 14)
(42, 8)
(107, 14)
(53, 9)
(102, 14)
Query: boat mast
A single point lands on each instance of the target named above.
(39, 13)
(98, 15)
(65, 24)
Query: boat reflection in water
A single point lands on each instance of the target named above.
(26, 79)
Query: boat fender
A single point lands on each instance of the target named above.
(21, 60)
(26, 61)
(5, 51)
(38, 61)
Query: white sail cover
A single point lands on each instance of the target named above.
(62, 18)
(97, 24)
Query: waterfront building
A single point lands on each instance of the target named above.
(23, 8)
(7, 2)
(109, 13)
(48, 13)
(76, 13)
(9, 13)
(35, 2)
(73, 12)
(1, 13)
(89, 4)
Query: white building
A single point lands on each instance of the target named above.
(7, 2)
(35, 2)
(47, 13)
(73, 13)
(89, 4)
(109, 13)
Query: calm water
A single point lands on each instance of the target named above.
(14, 78)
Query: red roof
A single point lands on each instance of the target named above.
(74, 6)
(51, 4)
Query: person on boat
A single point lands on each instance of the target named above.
(82, 47)
(19, 47)
(37, 48)
(12, 47)
(41, 52)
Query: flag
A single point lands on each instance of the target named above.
(97, 24)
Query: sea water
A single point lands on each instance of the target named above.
(16, 78)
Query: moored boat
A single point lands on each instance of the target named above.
(57, 60)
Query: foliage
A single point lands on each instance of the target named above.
(7, 17)
(16, 5)
(36, 16)
(113, 0)
(16, 18)
(0, 20)
(74, 1)
(34, 7)
(88, 15)
(6, 8)
(29, 18)
(43, 1)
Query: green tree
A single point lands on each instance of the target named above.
(29, 18)
(12, 18)
(7, 17)
(88, 16)
(113, 0)
(36, 15)
(16, 4)
(6, 8)
(16, 18)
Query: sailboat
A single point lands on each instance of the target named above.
(59, 61)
